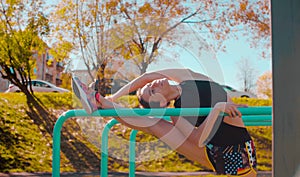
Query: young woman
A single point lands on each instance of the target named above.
(220, 142)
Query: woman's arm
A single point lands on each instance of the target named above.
(135, 84)
(215, 118)
(177, 75)
(180, 75)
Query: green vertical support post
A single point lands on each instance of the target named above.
(132, 153)
(56, 141)
(56, 148)
(104, 147)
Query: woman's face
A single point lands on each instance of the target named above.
(155, 91)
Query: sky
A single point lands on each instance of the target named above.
(222, 67)
(237, 50)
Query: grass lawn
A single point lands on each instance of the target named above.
(26, 140)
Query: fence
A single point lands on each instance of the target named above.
(252, 116)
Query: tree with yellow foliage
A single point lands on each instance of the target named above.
(264, 85)
(150, 23)
(104, 31)
(22, 26)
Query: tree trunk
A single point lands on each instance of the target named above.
(102, 81)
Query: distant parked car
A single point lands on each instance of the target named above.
(38, 86)
(235, 93)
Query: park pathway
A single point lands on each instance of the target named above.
(119, 174)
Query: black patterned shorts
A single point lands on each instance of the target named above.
(234, 159)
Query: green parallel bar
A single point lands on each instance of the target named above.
(132, 153)
(104, 147)
(265, 110)
(136, 112)
(257, 118)
(258, 123)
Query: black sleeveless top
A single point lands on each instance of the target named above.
(199, 93)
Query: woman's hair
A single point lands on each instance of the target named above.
(145, 104)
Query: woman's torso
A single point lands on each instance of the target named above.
(200, 93)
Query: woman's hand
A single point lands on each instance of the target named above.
(229, 108)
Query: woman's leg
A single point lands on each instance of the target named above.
(165, 131)
(169, 134)
(160, 128)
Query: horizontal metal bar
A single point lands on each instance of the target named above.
(136, 112)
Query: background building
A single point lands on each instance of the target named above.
(47, 68)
